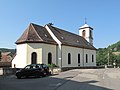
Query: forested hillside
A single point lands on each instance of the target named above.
(108, 56)
(13, 51)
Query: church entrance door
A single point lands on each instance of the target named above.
(49, 58)
(34, 58)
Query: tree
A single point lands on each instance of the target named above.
(116, 60)
(102, 56)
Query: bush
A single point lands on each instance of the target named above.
(51, 65)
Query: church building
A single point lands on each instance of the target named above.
(49, 44)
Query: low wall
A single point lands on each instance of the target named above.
(5, 64)
(7, 71)
(86, 67)
(55, 70)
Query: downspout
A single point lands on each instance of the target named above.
(61, 56)
(83, 56)
(59, 45)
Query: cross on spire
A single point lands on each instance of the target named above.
(85, 20)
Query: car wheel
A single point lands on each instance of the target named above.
(19, 77)
(43, 74)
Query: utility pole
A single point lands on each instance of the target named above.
(83, 56)
(108, 57)
(109, 50)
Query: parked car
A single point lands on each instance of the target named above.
(36, 70)
(46, 68)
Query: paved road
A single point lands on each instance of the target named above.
(77, 79)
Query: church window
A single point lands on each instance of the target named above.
(78, 58)
(92, 58)
(49, 58)
(86, 58)
(34, 58)
(83, 33)
(69, 58)
(90, 34)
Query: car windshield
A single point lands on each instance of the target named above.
(44, 66)
(32, 66)
(28, 67)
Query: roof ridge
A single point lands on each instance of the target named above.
(66, 31)
(36, 31)
(27, 31)
(78, 37)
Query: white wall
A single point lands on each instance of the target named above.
(89, 53)
(21, 56)
(87, 34)
(24, 52)
(42, 51)
(74, 56)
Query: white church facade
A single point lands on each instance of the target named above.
(48, 44)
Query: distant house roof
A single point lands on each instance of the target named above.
(38, 34)
(6, 57)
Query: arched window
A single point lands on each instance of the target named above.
(90, 34)
(69, 58)
(34, 58)
(86, 58)
(83, 33)
(92, 58)
(49, 58)
(78, 58)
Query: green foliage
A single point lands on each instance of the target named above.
(115, 47)
(13, 51)
(51, 65)
(116, 59)
(105, 54)
(102, 56)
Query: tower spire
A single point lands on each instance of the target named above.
(86, 32)
(85, 20)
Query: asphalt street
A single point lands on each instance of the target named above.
(77, 79)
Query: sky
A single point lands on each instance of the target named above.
(102, 15)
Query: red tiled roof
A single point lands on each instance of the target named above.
(38, 34)
(35, 34)
(70, 39)
(6, 57)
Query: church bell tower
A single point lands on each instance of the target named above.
(86, 32)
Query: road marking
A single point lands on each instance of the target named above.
(58, 84)
(55, 85)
